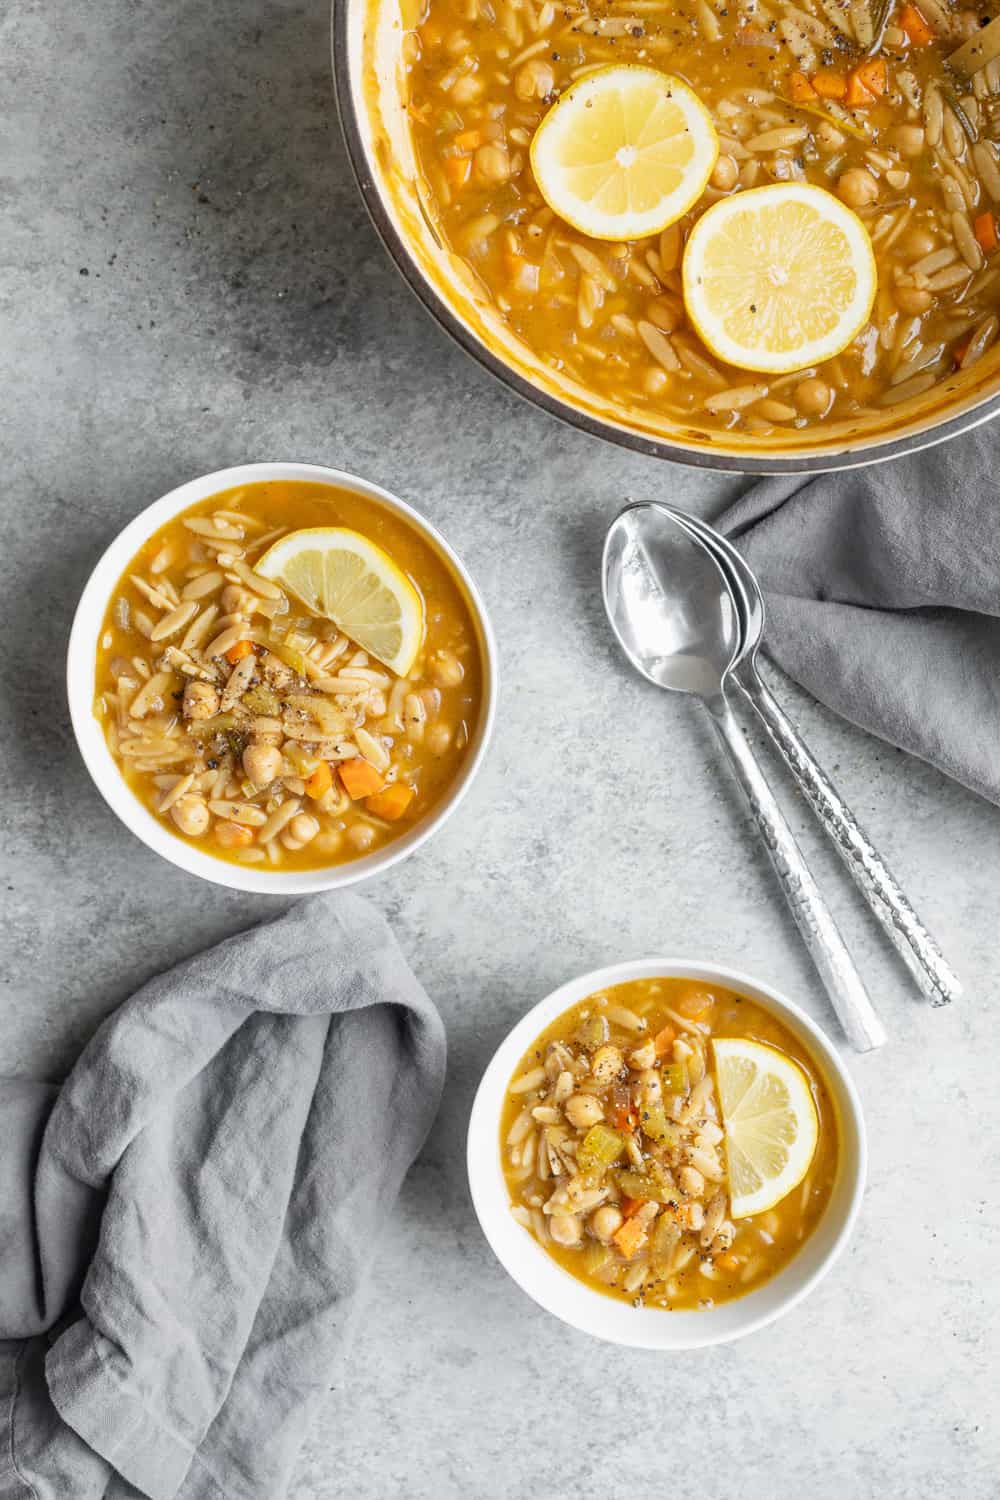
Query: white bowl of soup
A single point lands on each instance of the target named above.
(234, 727)
(605, 1154)
(440, 103)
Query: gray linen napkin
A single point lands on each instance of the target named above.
(185, 1223)
(883, 597)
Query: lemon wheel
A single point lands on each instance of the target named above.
(346, 578)
(624, 152)
(770, 1123)
(778, 277)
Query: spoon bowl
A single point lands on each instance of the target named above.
(669, 602)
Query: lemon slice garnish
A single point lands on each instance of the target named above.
(779, 277)
(342, 576)
(770, 1122)
(624, 152)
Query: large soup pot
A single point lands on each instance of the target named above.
(368, 69)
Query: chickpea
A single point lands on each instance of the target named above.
(655, 381)
(438, 738)
(912, 300)
(201, 701)
(446, 669)
(725, 174)
(361, 836)
(534, 80)
(691, 1181)
(565, 1229)
(583, 1110)
(828, 137)
(233, 835)
(604, 1221)
(606, 1064)
(191, 816)
(467, 89)
(643, 1057)
(666, 312)
(262, 763)
(907, 139)
(304, 828)
(813, 397)
(492, 164)
(857, 187)
(918, 242)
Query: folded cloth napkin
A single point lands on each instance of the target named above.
(185, 1223)
(882, 588)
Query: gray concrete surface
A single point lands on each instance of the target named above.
(188, 280)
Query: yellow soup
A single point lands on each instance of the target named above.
(856, 98)
(258, 731)
(615, 1155)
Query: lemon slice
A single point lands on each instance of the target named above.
(779, 277)
(344, 577)
(624, 152)
(770, 1120)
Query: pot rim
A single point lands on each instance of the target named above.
(879, 451)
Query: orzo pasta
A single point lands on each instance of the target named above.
(615, 1154)
(259, 731)
(856, 96)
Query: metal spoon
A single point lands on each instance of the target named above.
(904, 928)
(672, 611)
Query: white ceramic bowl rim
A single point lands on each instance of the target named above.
(104, 770)
(605, 1317)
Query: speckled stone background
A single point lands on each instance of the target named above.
(189, 280)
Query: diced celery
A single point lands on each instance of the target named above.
(598, 1150)
(261, 700)
(675, 1078)
(207, 729)
(651, 1184)
(663, 1241)
(655, 1123)
(290, 657)
(592, 1033)
(595, 1257)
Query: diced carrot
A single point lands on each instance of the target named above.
(360, 779)
(321, 780)
(392, 803)
(986, 231)
(728, 1262)
(829, 84)
(630, 1206)
(916, 28)
(664, 1040)
(629, 1236)
(858, 96)
(800, 89)
(457, 170)
(624, 1117)
(874, 75)
(238, 651)
(468, 140)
